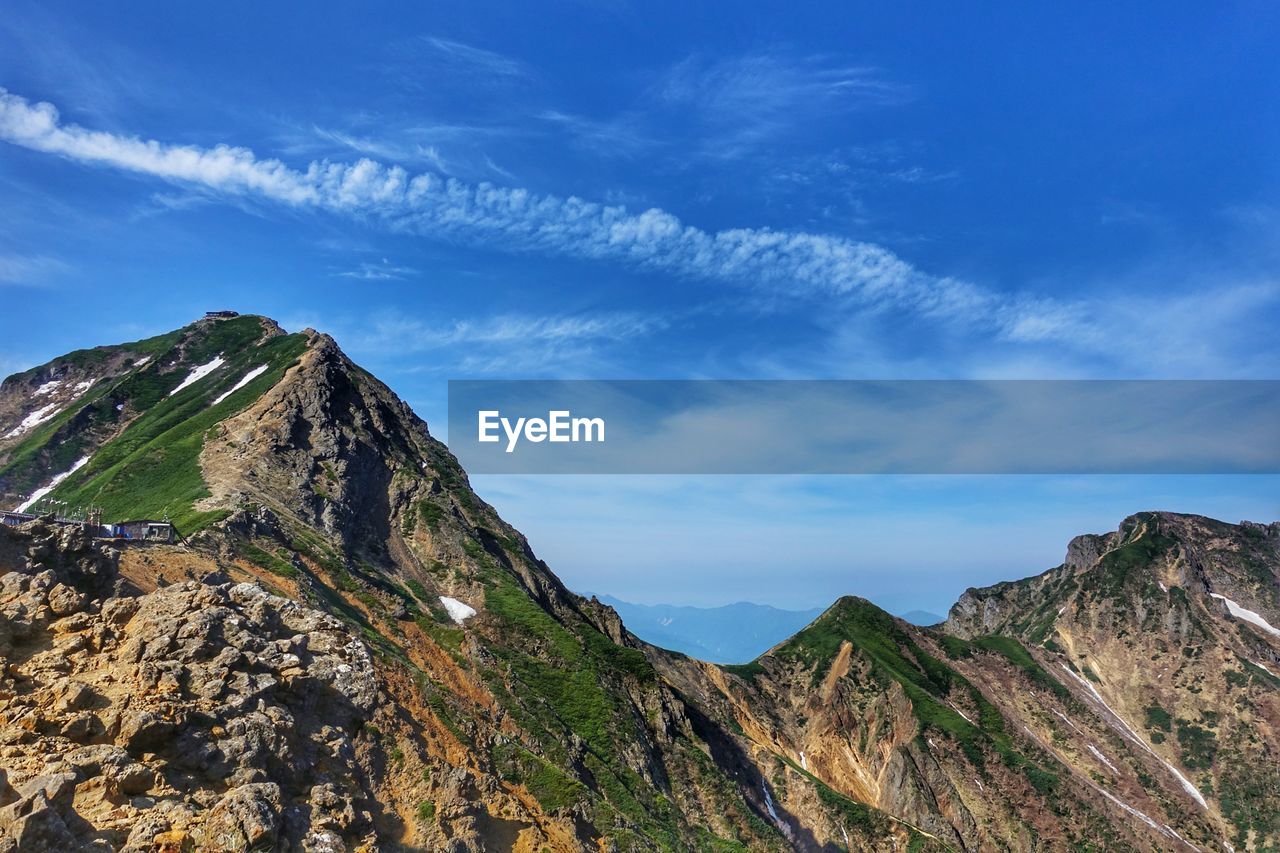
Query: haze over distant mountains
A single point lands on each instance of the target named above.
(348, 649)
(731, 633)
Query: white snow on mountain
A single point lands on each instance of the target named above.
(1097, 753)
(245, 380)
(34, 419)
(52, 484)
(1247, 615)
(1128, 731)
(199, 373)
(458, 611)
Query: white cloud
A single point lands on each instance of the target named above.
(506, 344)
(475, 58)
(782, 264)
(29, 269)
(617, 137)
(767, 85)
(413, 335)
(745, 100)
(382, 271)
(428, 155)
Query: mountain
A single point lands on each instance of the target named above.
(921, 617)
(348, 649)
(504, 712)
(1167, 631)
(733, 633)
(1124, 700)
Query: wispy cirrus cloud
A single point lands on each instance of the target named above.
(622, 136)
(767, 87)
(522, 327)
(476, 59)
(414, 152)
(29, 270)
(382, 270)
(846, 275)
(503, 344)
(727, 108)
(744, 100)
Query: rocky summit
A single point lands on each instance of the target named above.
(251, 604)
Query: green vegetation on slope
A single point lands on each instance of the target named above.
(52, 447)
(1010, 649)
(1129, 564)
(559, 683)
(152, 469)
(927, 681)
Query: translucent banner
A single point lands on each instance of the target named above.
(866, 427)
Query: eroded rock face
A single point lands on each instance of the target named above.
(189, 717)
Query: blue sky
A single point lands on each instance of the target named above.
(615, 190)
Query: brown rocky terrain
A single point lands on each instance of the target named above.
(207, 714)
(348, 649)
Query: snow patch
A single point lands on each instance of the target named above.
(1062, 609)
(1163, 588)
(1261, 667)
(768, 803)
(248, 377)
(81, 387)
(1161, 828)
(199, 373)
(1134, 736)
(34, 419)
(458, 611)
(53, 484)
(142, 362)
(773, 813)
(1097, 753)
(803, 763)
(1246, 615)
(1066, 719)
(47, 388)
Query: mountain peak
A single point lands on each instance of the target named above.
(496, 708)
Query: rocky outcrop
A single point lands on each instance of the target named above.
(194, 715)
(351, 649)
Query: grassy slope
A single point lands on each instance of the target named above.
(152, 468)
(927, 681)
(48, 447)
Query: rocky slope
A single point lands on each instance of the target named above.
(512, 713)
(1166, 631)
(199, 714)
(350, 650)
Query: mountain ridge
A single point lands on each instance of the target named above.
(731, 633)
(1120, 700)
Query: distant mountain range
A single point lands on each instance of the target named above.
(922, 618)
(348, 649)
(731, 633)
